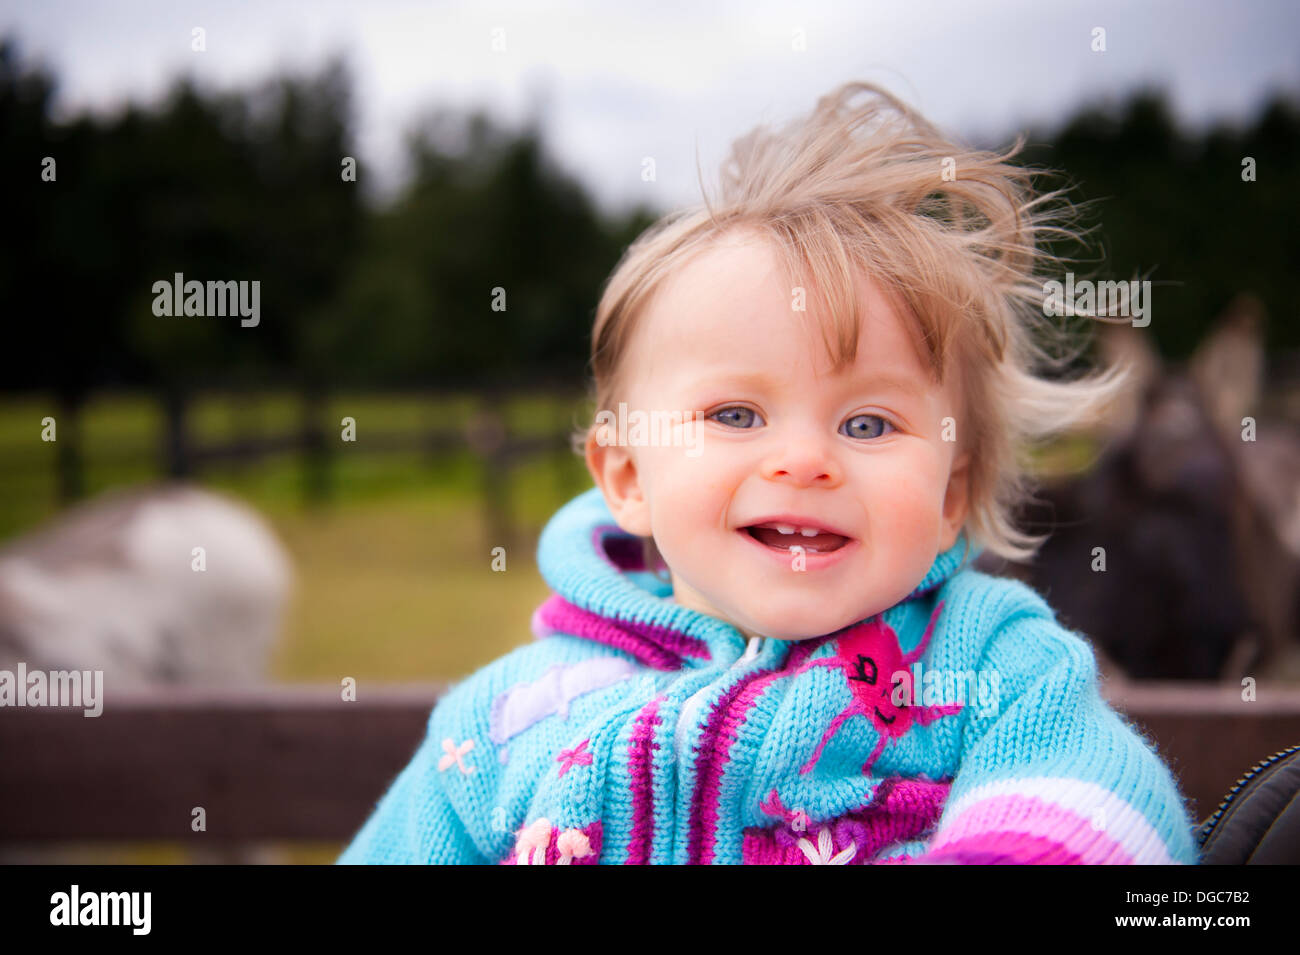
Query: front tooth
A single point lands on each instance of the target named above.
(808, 532)
(785, 528)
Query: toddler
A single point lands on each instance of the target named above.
(765, 642)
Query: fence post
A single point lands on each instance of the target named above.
(177, 462)
(316, 453)
(68, 459)
(487, 437)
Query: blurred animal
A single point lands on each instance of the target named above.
(115, 584)
(1200, 526)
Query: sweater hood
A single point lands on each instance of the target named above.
(603, 591)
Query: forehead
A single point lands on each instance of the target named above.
(732, 310)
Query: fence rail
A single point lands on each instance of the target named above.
(295, 763)
(481, 428)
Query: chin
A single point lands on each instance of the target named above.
(800, 626)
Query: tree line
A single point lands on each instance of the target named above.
(253, 185)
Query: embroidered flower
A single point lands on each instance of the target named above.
(455, 754)
(822, 854)
(574, 757)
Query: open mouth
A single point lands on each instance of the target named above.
(783, 537)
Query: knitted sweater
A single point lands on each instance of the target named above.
(963, 724)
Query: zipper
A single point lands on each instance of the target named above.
(689, 717)
(690, 709)
(1254, 771)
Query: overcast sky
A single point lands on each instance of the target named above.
(617, 82)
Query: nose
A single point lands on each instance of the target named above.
(803, 462)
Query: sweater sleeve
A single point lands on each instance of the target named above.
(1051, 774)
(415, 822)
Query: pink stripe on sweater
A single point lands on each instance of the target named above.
(640, 768)
(996, 848)
(715, 745)
(653, 645)
(720, 732)
(990, 823)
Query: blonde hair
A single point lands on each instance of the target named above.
(955, 235)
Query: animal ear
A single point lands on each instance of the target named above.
(1122, 344)
(1228, 365)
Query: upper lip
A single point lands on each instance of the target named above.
(797, 521)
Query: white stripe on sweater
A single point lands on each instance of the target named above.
(1121, 822)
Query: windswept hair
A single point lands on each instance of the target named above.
(957, 237)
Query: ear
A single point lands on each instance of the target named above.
(956, 501)
(614, 470)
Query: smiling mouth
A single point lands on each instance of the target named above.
(784, 538)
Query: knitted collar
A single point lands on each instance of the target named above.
(603, 591)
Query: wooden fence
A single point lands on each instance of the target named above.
(296, 763)
(180, 453)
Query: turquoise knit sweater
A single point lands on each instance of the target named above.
(963, 724)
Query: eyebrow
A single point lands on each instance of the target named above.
(758, 379)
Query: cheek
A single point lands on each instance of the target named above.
(680, 475)
(666, 473)
(903, 490)
(689, 495)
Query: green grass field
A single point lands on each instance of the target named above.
(393, 573)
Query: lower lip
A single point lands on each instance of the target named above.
(813, 560)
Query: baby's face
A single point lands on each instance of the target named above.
(785, 445)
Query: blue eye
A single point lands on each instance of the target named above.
(746, 416)
(865, 427)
